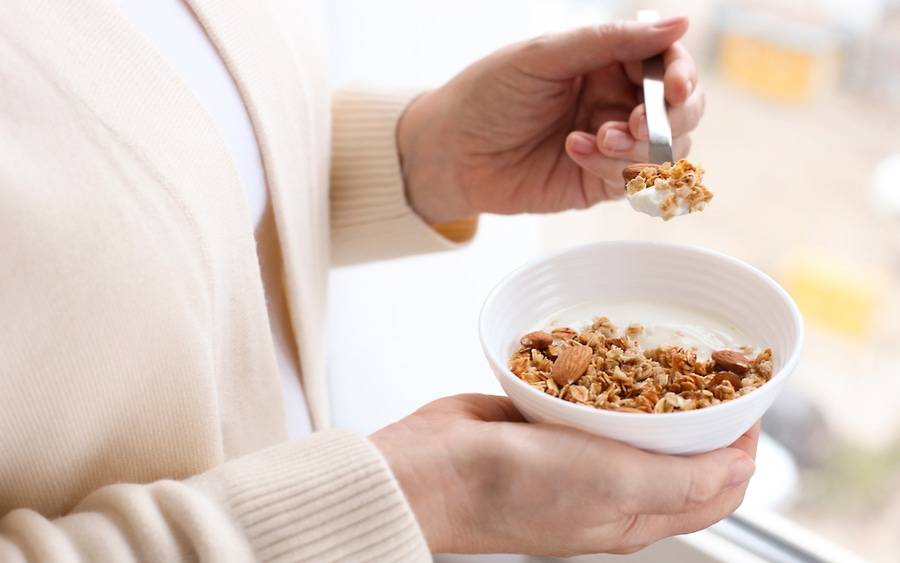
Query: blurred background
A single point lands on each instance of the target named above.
(801, 143)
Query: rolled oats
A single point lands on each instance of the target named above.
(605, 368)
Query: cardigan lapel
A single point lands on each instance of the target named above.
(286, 117)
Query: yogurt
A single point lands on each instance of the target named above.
(664, 324)
(649, 201)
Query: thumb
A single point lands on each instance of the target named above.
(673, 484)
(572, 53)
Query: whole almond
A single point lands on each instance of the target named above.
(571, 364)
(538, 339)
(728, 376)
(633, 170)
(729, 360)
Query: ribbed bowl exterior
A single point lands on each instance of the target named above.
(685, 276)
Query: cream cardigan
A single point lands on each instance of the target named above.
(140, 415)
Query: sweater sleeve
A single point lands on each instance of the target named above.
(329, 497)
(370, 216)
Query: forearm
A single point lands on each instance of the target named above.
(328, 497)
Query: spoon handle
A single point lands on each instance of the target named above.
(653, 69)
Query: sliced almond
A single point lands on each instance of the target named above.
(538, 339)
(729, 360)
(634, 170)
(571, 364)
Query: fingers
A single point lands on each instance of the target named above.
(683, 118)
(707, 506)
(647, 529)
(603, 157)
(601, 175)
(566, 55)
(650, 528)
(660, 484)
(615, 141)
(680, 78)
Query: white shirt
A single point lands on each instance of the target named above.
(172, 28)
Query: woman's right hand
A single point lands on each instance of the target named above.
(480, 480)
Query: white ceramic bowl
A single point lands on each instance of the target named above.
(680, 275)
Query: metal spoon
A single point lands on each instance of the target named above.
(660, 132)
(655, 102)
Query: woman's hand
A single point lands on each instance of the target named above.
(544, 125)
(481, 480)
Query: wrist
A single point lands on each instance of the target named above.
(406, 454)
(433, 189)
(436, 468)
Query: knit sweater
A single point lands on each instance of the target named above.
(140, 415)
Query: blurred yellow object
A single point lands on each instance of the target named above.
(834, 293)
(777, 56)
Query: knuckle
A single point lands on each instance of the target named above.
(533, 46)
(629, 498)
(698, 490)
(536, 43)
(632, 534)
(607, 29)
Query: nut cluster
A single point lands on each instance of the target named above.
(681, 182)
(605, 368)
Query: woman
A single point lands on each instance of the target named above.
(171, 204)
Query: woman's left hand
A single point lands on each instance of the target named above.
(545, 125)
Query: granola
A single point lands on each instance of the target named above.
(667, 190)
(604, 367)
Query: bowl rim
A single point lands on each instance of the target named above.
(501, 367)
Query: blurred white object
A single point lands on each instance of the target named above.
(884, 198)
(687, 277)
(885, 195)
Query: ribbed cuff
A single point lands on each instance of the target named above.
(329, 497)
(370, 216)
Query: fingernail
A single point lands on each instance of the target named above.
(581, 143)
(643, 133)
(616, 140)
(669, 23)
(741, 470)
